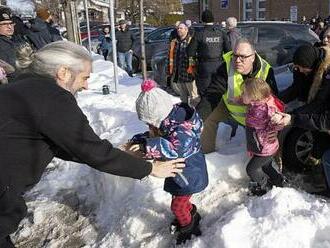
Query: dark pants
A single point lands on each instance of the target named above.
(261, 170)
(6, 243)
(326, 166)
(105, 54)
(207, 105)
(205, 70)
(12, 210)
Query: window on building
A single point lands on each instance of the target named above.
(205, 4)
(261, 9)
(248, 4)
(262, 4)
(261, 15)
(247, 10)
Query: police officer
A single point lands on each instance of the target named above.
(207, 46)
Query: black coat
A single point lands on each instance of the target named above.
(125, 40)
(302, 83)
(7, 50)
(315, 114)
(40, 29)
(54, 32)
(40, 121)
(209, 44)
(299, 88)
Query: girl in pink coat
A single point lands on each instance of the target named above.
(261, 106)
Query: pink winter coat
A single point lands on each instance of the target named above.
(258, 126)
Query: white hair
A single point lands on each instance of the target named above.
(47, 60)
(231, 22)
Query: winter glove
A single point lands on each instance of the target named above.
(139, 138)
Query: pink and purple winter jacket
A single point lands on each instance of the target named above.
(258, 126)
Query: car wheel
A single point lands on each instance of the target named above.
(135, 64)
(297, 148)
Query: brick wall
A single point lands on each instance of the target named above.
(223, 14)
(191, 11)
(275, 9)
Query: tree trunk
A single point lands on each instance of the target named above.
(71, 21)
(143, 51)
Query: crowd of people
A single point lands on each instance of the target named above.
(219, 76)
(15, 33)
(223, 77)
(317, 24)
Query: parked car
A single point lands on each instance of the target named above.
(156, 41)
(94, 30)
(94, 42)
(276, 42)
(147, 30)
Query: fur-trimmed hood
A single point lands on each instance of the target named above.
(324, 67)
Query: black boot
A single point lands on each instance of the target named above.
(6, 243)
(257, 190)
(174, 227)
(185, 232)
(324, 193)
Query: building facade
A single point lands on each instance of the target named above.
(245, 10)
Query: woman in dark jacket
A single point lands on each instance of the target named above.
(105, 45)
(315, 115)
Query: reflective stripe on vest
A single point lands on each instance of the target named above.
(235, 80)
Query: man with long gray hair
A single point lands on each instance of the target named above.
(40, 120)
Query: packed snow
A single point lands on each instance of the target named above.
(77, 206)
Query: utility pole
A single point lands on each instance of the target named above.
(143, 51)
(239, 10)
(88, 28)
(71, 20)
(114, 44)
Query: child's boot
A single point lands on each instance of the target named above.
(258, 190)
(185, 232)
(175, 224)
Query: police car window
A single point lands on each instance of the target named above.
(248, 32)
(268, 34)
(301, 32)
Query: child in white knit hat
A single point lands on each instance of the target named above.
(174, 132)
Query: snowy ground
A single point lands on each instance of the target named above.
(76, 206)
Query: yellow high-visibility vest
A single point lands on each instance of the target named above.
(235, 80)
